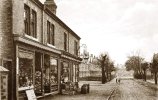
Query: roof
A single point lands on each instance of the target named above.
(42, 6)
(2, 69)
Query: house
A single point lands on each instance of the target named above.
(37, 48)
(89, 66)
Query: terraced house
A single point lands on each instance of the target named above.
(36, 47)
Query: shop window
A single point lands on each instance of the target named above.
(74, 72)
(65, 72)
(25, 72)
(53, 74)
(46, 73)
(50, 74)
(77, 73)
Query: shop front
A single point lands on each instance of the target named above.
(36, 70)
(69, 73)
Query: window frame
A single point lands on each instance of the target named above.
(65, 42)
(52, 33)
(34, 23)
(48, 32)
(27, 19)
(75, 47)
(30, 22)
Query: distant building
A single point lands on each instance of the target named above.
(89, 66)
(37, 48)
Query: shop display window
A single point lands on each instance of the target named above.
(25, 72)
(77, 73)
(53, 74)
(46, 76)
(65, 72)
(50, 74)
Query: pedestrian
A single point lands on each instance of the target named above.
(119, 80)
(116, 80)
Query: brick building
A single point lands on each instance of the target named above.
(36, 47)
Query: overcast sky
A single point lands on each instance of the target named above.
(119, 27)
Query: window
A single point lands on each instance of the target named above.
(27, 19)
(25, 72)
(53, 74)
(65, 71)
(33, 24)
(75, 48)
(50, 33)
(30, 21)
(65, 41)
(50, 74)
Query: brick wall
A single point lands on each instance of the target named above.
(6, 41)
(6, 38)
(18, 13)
(59, 35)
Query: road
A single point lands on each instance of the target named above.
(128, 89)
(135, 90)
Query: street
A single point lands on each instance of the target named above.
(135, 90)
(128, 89)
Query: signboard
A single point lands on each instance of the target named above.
(31, 94)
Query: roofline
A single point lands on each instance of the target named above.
(47, 11)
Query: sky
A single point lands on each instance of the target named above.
(120, 27)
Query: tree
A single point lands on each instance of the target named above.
(111, 68)
(134, 63)
(144, 67)
(107, 67)
(104, 79)
(154, 66)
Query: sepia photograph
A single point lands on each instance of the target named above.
(78, 49)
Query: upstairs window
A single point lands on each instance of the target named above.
(50, 33)
(30, 21)
(65, 41)
(75, 48)
(33, 24)
(27, 19)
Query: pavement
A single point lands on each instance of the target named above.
(98, 91)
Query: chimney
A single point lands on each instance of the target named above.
(50, 4)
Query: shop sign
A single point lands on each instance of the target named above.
(31, 94)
